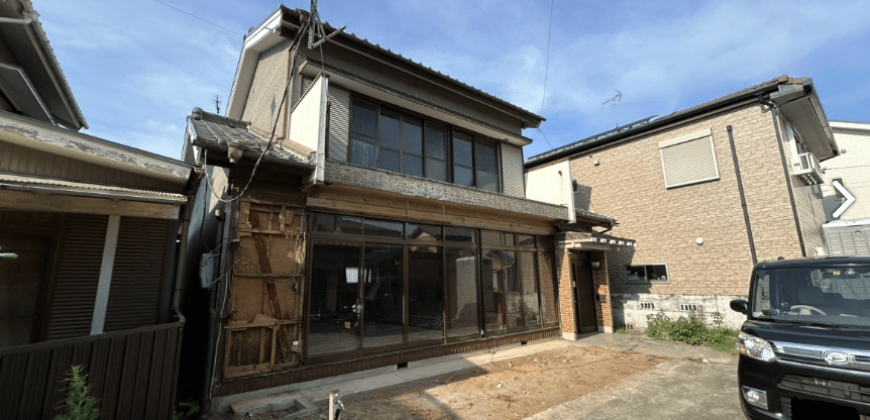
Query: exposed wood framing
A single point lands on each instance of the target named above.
(17, 200)
(267, 290)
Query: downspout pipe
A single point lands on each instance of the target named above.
(742, 196)
(774, 110)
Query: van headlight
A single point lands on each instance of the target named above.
(754, 347)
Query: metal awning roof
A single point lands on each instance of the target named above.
(80, 189)
(592, 241)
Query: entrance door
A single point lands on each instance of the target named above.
(20, 283)
(585, 293)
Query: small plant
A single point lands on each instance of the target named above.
(192, 408)
(79, 404)
(692, 331)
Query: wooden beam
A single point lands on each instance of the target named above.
(101, 302)
(18, 200)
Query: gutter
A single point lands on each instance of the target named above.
(774, 109)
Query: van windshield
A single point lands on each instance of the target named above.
(822, 295)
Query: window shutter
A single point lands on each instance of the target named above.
(339, 123)
(512, 170)
(689, 159)
(137, 277)
(78, 272)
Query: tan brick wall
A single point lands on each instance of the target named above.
(601, 282)
(567, 307)
(628, 185)
(261, 109)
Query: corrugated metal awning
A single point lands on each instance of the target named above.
(56, 186)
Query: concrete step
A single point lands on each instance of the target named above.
(274, 403)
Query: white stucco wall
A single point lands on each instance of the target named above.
(551, 184)
(853, 165)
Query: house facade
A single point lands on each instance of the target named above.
(89, 233)
(363, 211)
(706, 193)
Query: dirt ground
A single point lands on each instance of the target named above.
(512, 389)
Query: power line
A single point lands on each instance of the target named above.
(547, 71)
(202, 19)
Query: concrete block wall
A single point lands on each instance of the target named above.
(632, 309)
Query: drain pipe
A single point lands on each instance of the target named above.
(742, 196)
(774, 109)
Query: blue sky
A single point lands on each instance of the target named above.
(137, 68)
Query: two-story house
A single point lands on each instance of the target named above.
(706, 192)
(363, 211)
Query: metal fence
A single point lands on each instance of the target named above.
(132, 373)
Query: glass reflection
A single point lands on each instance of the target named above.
(462, 314)
(334, 294)
(425, 293)
(383, 291)
(501, 297)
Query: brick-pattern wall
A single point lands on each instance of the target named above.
(567, 306)
(347, 174)
(601, 282)
(261, 108)
(628, 185)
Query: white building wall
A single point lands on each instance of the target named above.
(552, 184)
(853, 166)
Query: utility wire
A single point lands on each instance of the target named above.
(547, 71)
(202, 19)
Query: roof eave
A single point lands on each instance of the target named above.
(713, 105)
(74, 145)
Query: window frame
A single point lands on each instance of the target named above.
(646, 279)
(449, 133)
(402, 114)
(698, 135)
(475, 140)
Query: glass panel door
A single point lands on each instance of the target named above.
(335, 299)
(384, 295)
(425, 293)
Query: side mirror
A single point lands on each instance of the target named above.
(740, 305)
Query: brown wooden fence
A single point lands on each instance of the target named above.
(132, 374)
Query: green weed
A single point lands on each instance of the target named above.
(692, 331)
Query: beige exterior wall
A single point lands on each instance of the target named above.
(270, 77)
(808, 203)
(625, 181)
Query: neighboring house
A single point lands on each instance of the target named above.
(851, 168)
(706, 192)
(387, 223)
(94, 226)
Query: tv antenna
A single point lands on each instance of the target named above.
(614, 99)
(217, 103)
(315, 29)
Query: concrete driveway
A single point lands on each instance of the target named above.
(686, 387)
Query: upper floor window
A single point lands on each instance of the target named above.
(385, 139)
(390, 140)
(689, 159)
(475, 162)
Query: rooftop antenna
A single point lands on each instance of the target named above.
(315, 28)
(217, 103)
(614, 99)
